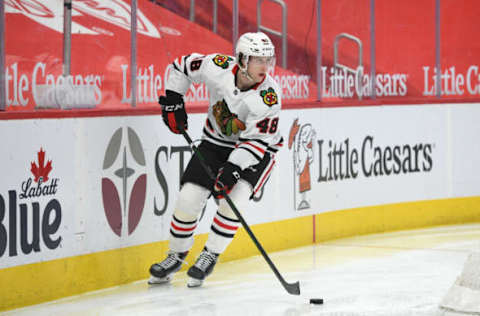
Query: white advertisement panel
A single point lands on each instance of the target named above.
(345, 158)
(80, 185)
(37, 191)
(464, 154)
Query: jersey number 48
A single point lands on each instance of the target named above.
(268, 126)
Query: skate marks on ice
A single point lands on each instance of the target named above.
(400, 273)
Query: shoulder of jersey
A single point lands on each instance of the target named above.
(220, 62)
(269, 82)
(269, 92)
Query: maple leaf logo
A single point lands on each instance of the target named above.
(41, 170)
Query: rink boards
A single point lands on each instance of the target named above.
(85, 203)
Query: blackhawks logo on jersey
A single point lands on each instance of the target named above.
(227, 121)
(269, 96)
(222, 61)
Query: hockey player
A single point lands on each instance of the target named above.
(240, 139)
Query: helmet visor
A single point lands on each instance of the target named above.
(269, 61)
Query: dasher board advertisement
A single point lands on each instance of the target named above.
(80, 185)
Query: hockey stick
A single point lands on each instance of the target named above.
(291, 288)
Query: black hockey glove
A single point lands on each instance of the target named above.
(173, 111)
(227, 177)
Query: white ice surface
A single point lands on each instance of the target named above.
(399, 273)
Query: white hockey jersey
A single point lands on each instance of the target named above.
(244, 120)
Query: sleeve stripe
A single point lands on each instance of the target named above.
(209, 125)
(252, 146)
(280, 142)
(255, 140)
(277, 146)
(273, 148)
(185, 65)
(175, 66)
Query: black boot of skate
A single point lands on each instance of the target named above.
(162, 272)
(202, 268)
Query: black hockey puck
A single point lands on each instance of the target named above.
(317, 301)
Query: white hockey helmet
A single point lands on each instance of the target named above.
(253, 44)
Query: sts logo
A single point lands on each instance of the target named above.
(301, 139)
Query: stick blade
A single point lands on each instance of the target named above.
(292, 288)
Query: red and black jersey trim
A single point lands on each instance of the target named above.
(251, 152)
(209, 125)
(261, 142)
(279, 144)
(176, 67)
(256, 146)
(264, 144)
(185, 64)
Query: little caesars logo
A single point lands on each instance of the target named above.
(36, 228)
(347, 160)
(451, 81)
(342, 160)
(343, 84)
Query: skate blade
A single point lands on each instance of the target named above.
(154, 280)
(194, 282)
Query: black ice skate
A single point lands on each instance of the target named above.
(162, 272)
(202, 268)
